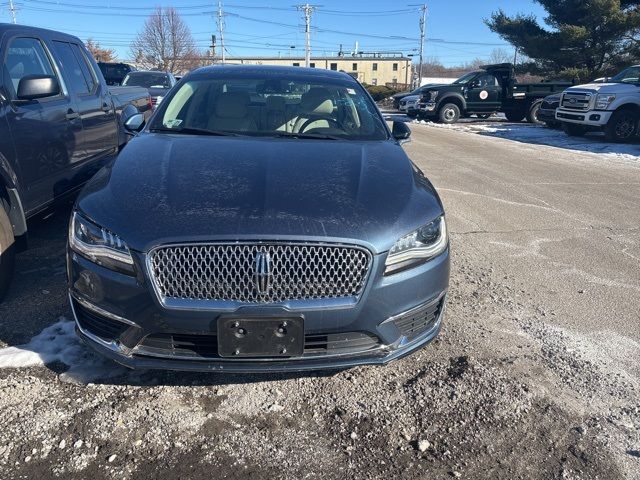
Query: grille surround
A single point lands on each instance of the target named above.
(292, 278)
(581, 100)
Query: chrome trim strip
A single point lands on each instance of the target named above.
(104, 313)
(112, 345)
(230, 306)
(426, 304)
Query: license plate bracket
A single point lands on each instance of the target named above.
(260, 336)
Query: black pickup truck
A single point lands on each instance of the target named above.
(491, 89)
(59, 124)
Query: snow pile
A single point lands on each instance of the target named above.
(541, 135)
(59, 343)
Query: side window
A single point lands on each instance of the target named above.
(71, 67)
(85, 66)
(487, 80)
(25, 56)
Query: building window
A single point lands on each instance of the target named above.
(296, 64)
(395, 67)
(374, 81)
(334, 66)
(375, 67)
(312, 65)
(354, 67)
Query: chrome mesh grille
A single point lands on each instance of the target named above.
(576, 100)
(228, 272)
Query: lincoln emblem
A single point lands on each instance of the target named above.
(262, 272)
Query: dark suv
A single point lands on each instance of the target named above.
(265, 219)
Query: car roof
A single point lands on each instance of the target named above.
(269, 71)
(44, 32)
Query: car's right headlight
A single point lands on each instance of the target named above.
(417, 247)
(604, 100)
(99, 245)
(433, 95)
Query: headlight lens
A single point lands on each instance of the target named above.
(99, 245)
(418, 246)
(603, 101)
(434, 95)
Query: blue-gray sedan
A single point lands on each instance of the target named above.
(265, 218)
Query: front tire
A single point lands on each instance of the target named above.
(449, 113)
(532, 114)
(573, 130)
(622, 126)
(7, 251)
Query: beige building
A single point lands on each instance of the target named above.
(374, 69)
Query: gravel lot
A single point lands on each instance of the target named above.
(535, 375)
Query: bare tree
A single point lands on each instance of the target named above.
(500, 55)
(165, 43)
(99, 53)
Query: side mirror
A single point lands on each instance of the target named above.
(31, 87)
(134, 123)
(401, 132)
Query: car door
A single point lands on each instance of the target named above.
(46, 132)
(99, 128)
(484, 93)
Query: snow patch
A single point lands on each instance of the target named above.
(59, 343)
(593, 143)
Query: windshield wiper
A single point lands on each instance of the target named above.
(195, 131)
(314, 136)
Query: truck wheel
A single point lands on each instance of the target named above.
(449, 113)
(515, 116)
(532, 115)
(573, 130)
(622, 126)
(7, 251)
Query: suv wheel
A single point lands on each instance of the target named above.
(532, 115)
(573, 130)
(449, 113)
(622, 126)
(7, 251)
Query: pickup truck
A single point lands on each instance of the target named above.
(612, 107)
(59, 124)
(491, 89)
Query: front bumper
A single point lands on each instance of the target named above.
(120, 317)
(547, 115)
(427, 108)
(593, 118)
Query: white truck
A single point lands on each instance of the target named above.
(612, 107)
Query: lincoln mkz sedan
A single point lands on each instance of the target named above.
(265, 218)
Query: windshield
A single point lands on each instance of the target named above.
(147, 80)
(285, 107)
(465, 78)
(630, 75)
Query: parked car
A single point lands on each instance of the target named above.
(399, 96)
(59, 124)
(547, 111)
(409, 105)
(265, 219)
(612, 107)
(114, 73)
(157, 83)
(493, 88)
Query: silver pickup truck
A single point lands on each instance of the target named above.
(59, 124)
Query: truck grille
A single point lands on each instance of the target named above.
(576, 101)
(258, 273)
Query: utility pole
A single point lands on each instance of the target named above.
(12, 8)
(213, 48)
(308, 10)
(221, 29)
(423, 24)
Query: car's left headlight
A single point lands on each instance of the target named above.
(99, 245)
(418, 246)
(603, 101)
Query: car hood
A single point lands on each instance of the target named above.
(411, 98)
(606, 88)
(167, 188)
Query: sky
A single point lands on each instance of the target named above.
(455, 32)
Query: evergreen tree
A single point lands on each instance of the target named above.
(580, 39)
